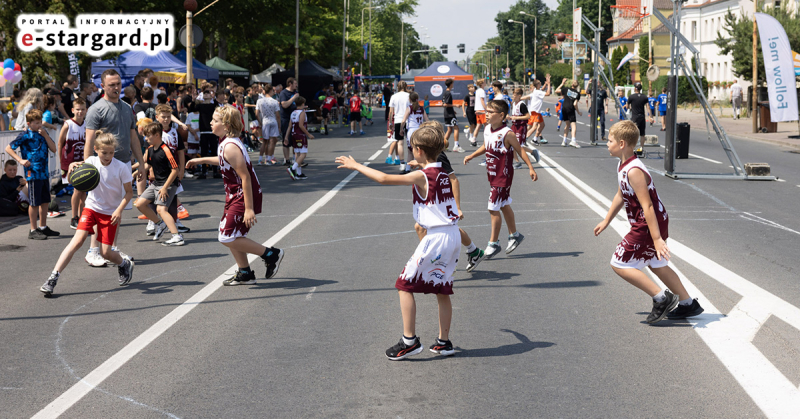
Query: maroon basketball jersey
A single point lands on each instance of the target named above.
(438, 208)
(498, 158)
(639, 231)
(234, 195)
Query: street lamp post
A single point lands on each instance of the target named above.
(344, 37)
(535, 38)
(402, 39)
(524, 62)
(361, 64)
(190, 7)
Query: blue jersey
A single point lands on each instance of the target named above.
(622, 101)
(662, 102)
(652, 102)
(490, 94)
(32, 146)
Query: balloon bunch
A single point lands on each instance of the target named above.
(12, 72)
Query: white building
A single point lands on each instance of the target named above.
(701, 22)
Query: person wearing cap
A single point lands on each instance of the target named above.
(637, 103)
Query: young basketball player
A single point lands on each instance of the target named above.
(430, 269)
(71, 141)
(412, 119)
(645, 244)
(104, 206)
(474, 254)
(298, 136)
(499, 142)
(242, 198)
(519, 122)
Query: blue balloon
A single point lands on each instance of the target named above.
(8, 63)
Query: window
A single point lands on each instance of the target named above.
(694, 30)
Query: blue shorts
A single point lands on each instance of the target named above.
(39, 192)
(652, 111)
(662, 113)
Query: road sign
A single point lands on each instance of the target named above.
(578, 62)
(197, 35)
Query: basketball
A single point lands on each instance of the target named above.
(85, 177)
(561, 37)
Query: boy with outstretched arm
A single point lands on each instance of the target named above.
(430, 269)
(499, 145)
(645, 244)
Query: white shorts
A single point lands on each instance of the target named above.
(499, 197)
(301, 150)
(270, 130)
(254, 124)
(632, 255)
(430, 269)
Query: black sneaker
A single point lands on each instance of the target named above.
(302, 176)
(443, 348)
(287, 163)
(37, 235)
(401, 350)
(48, 286)
(304, 164)
(125, 271)
(689, 310)
(50, 233)
(273, 262)
(73, 224)
(661, 309)
(292, 173)
(240, 279)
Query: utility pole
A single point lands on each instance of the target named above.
(297, 44)
(755, 69)
(344, 37)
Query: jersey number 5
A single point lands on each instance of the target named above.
(450, 212)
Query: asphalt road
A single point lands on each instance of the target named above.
(548, 331)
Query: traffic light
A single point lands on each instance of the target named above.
(444, 48)
(461, 48)
(497, 50)
(530, 73)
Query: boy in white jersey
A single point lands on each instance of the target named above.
(430, 269)
(645, 244)
(71, 140)
(413, 118)
(297, 135)
(193, 122)
(536, 98)
(499, 144)
(103, 212)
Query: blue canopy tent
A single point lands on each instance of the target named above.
(131, 62)
(199, 70)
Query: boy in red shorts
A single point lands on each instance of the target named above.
(645, 244)
(104, 205)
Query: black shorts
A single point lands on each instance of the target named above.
(325, 112)
(471, 119)
(208, 145)
(38, 192)
(450, 121)
(355, 116)
(568, 115)
(285, 126)
(398, 133)
(639, 120)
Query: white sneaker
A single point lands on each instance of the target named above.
(574, 143)
(176, 240)
(564, 143)
(151, 228)
(160, 229)
(188, 175)
(458, 150)
(94, 259)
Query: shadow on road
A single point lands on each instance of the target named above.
(541, 255)
(182, 257)
(563, 284)
(524, 345)
(291, 283)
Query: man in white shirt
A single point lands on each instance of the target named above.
(397, 110)
(736, 98)
(536, 98)
(480, 108)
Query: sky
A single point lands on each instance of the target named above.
(453, 22)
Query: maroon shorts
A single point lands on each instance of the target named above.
(105, 230)
(521, 131)
(232, 226)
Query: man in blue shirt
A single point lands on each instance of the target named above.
(662, 108)
(651, 101)
(34, 144)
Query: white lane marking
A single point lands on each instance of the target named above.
(374, 156)
(751, 217)
(704, 158)
(308, 296)
(385, 146)
(729, 337)
(111, 365)
(781, 180)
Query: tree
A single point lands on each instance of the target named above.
(644, 47)
(562, 19)
(511, 36)
(737, 40)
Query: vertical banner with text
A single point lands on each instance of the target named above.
(779, 68)
(74, 69)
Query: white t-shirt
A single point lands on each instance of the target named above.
(108, 194)
(537, 97)
(399, 102)
(479, 94)
(193, 121)
(21, 123)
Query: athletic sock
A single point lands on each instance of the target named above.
(497, 243)
(245, 271)
(295, 166)
(516, 234)
(268, 252)
(409, 341)
(660, 297)
(471, 248)
(686, 302)
(57, 273)
(455, 144)
(41, 228)
(440, 341)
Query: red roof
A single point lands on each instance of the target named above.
(635, 29)
(636, 3)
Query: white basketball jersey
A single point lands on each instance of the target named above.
(171, 139)
(438, 208)
(415, 118)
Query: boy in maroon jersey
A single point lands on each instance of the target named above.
(242, 198)
(430, 269)
(645, 244)
(499, 145)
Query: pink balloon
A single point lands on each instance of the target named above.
(17, 67)
(2, 82)
(8, 73)
(17, 77)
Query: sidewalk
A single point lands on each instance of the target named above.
(742, 128)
